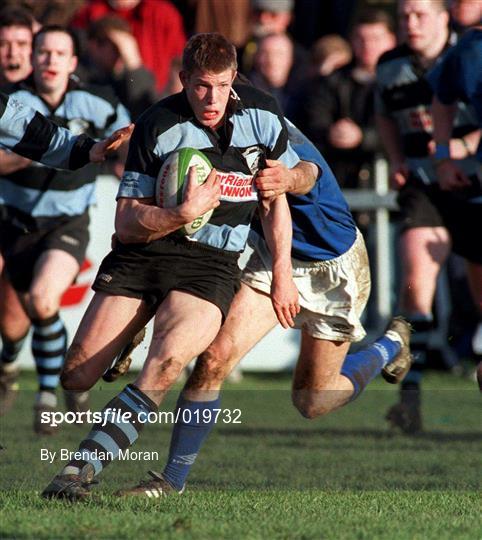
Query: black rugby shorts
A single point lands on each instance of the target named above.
(429, 206)
(150, 271)
(21, 248)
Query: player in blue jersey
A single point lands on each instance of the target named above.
(45, 213)
(458, 77)
(186, 283)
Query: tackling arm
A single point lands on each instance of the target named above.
(276, 222)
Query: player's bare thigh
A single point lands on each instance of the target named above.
(423, 250)
(318, 386)
(108, 324)
(53, 274)
(183, 328)
(250, 318)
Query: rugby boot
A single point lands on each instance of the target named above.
(406, 415)
(8, 386)
(71, 487)
(395, 371)
(123, 360)
(155, 488)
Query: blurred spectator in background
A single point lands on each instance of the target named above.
(272, 17)
(228, 17)
(329, 53)
(116, 61)
(434, 221)
(337, 111)
(156, 24)
(273, 72)
(16, 27)
(48, 12)
(465, 14)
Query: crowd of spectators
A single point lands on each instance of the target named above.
(317, 58)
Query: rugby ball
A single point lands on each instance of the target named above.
(172, 182)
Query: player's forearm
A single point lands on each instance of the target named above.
(390, 137)
(277, 228)
(304, 176)
(143, 222)
(443, 117)
(10, 162)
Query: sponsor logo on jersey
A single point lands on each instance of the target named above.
(237, 187)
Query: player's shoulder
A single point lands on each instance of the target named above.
(253, 98)
(97, 92)
(396, 54)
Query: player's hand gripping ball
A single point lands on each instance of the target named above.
(172, 182)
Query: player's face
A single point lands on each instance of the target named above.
(370, 41)
(422, 23)
(208, 94)
(53, 61)
(274, 59)
(15, 52)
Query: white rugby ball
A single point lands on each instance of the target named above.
(172, 182)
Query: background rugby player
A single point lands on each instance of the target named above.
(434, 221)
(45, 223)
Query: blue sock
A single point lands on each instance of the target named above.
(193, 426)
(364, 365)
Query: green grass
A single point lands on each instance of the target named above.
(275, 475)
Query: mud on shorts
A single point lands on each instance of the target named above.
(150, 271)
(424, 205)
(332, 294)
(21, 247)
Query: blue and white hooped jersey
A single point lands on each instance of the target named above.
(253, 129)
(40, 192)
(27, 133)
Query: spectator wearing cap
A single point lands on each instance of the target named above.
(270, 17)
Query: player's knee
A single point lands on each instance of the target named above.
(76, 380)
(40, 306)
(211, 370)
(310, 404)
(75, 376)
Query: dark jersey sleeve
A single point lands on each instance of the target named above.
(29, 134)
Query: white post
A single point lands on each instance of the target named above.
(382, 245)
